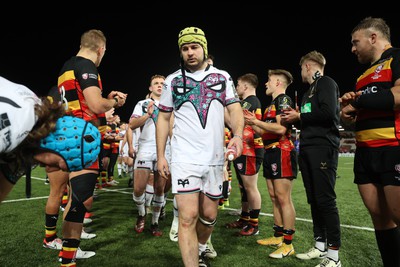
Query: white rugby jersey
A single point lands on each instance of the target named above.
(17, 113)
(147, 136)
(135, 138)
(198, 135)
(120, 147)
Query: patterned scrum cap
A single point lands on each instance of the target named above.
(75, 140)
(193, 35)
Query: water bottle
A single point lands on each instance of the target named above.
(231, 153)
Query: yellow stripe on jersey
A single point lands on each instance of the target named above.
(74, 105)
(102, 129)
(106, 145)
(375, 134)
(66, 76)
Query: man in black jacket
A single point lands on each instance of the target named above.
(319, 121)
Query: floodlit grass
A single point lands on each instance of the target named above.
(117, 244)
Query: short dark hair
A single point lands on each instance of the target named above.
(250, 78)
(288, 76)
(377, 24)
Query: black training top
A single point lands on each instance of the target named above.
(320, 114)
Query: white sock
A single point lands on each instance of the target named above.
(202, 248)
(175, 208)
(149, 194)
(139, 201)
(157, 203)
(320, 245)
(333, 254)
(119, 169)
(125, 167)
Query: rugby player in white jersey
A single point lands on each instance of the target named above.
(197, 95)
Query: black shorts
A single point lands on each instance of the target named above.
(9, 174)
(379, 165)
(246, 165)
(280, 163)
(106, 153)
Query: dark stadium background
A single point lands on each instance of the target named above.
(143, 42)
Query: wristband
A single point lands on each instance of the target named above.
(383, 100)
(238, 136)
(116, 102)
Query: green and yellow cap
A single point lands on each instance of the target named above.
(193, 35)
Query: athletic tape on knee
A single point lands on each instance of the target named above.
(76, 213)
(206, 223)
(82, 189)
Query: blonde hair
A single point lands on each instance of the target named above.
(314, 56)
(156, 76)
(93, 39)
